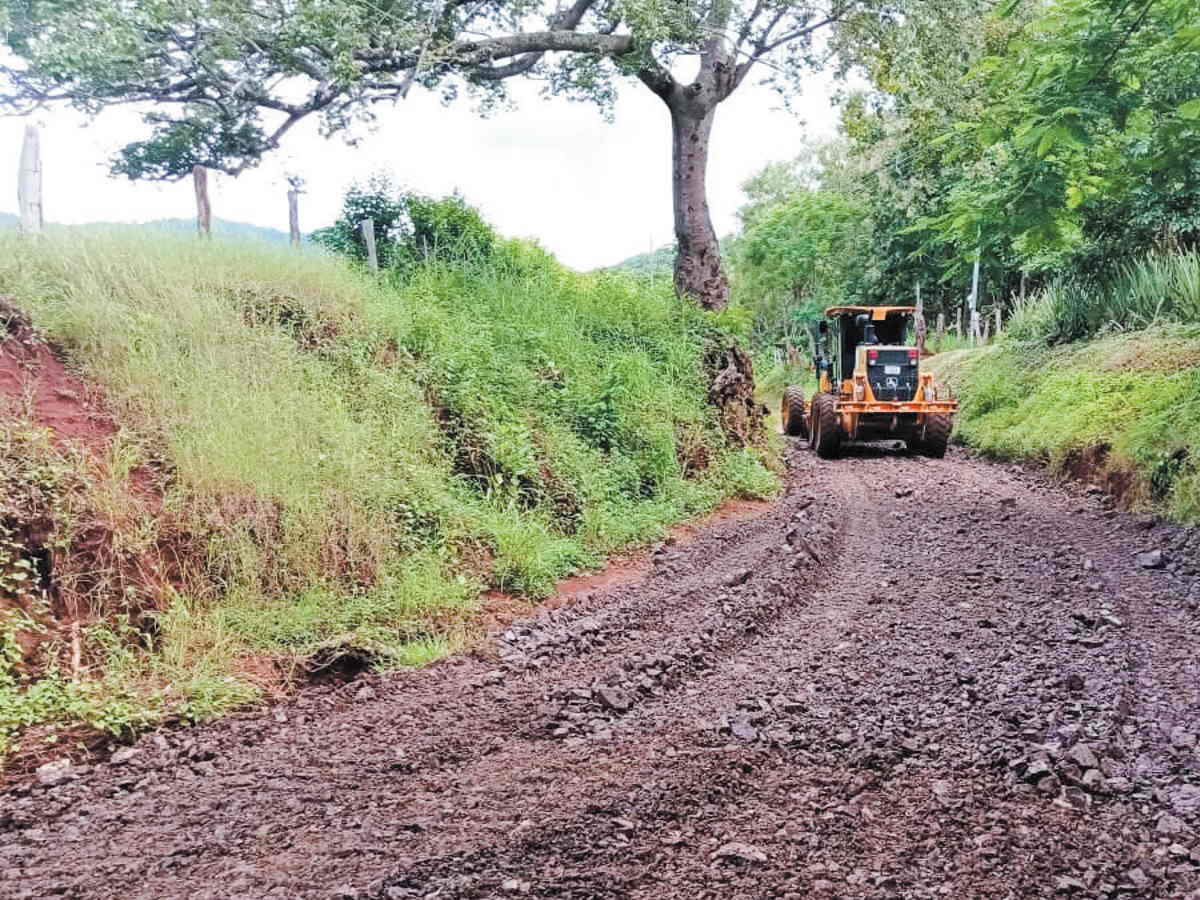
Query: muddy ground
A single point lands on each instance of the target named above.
(909, 678)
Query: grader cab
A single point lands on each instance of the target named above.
(870, 385)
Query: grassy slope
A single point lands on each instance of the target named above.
(1136, 393)
(351, 463)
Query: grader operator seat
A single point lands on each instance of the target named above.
(857, 333)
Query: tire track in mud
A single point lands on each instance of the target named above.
(880, 688)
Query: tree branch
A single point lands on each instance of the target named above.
(659, 80)
(565, 21)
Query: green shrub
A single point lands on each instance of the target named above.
(410, 228)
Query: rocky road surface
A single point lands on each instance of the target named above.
(910, 678)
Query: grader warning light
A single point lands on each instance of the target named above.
(870, 386)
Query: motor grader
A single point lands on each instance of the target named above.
(870, 386)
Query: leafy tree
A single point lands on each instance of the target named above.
(227, 80)
(1092, 124)
(409, 227)
(792, 260)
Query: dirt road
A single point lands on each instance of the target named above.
(910, 678)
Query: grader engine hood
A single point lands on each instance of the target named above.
(891, 371)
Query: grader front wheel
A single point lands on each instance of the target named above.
(826, 427)
(791, 411)
(936, 437)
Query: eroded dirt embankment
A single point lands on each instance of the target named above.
(74, 545)
(912, 678)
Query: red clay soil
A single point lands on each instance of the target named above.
(36, 385)
(909, 678)
(94, 577)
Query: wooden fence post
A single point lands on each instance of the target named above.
(368, 230)
(958, 322)
(920, 317)
(203, 207)
(974, 299)
(998, 320)
(941, 325)
(29, 183)
(294, 216)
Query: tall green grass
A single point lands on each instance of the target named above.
(1157, 289)
(352, 460)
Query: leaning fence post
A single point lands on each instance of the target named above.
(29, 183)
(368, 230)
(294, 216)
(203, 207)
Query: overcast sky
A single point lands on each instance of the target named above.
(592, 192)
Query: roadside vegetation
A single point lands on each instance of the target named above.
(1119, 406)
(312, 461)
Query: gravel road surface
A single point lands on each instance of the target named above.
(908, 678)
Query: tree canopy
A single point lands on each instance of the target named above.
(1047, 138)
(227, 79)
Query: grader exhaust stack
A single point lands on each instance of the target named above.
(870, 386)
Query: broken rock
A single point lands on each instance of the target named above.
(1151, 559)
(1169, 824)
(615, 699)
(55, 772)
(1082, 756)
(739, 852)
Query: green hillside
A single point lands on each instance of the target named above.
(221, 228)
(656, 262)
(1118, 406)
(336, 465)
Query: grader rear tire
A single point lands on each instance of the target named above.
(791, 411)
(937, 436)
(826, 427)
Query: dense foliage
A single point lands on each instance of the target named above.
(409, 227)
(1055, 142)
(793, 256)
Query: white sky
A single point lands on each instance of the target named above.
(591, 192)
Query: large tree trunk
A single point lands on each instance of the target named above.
(698, 269)
(699, 273)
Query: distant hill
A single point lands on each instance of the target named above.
(220, 227)
(662, 261)
(224, 228)
(656, 262)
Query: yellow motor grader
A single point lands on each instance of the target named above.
(870, 386)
